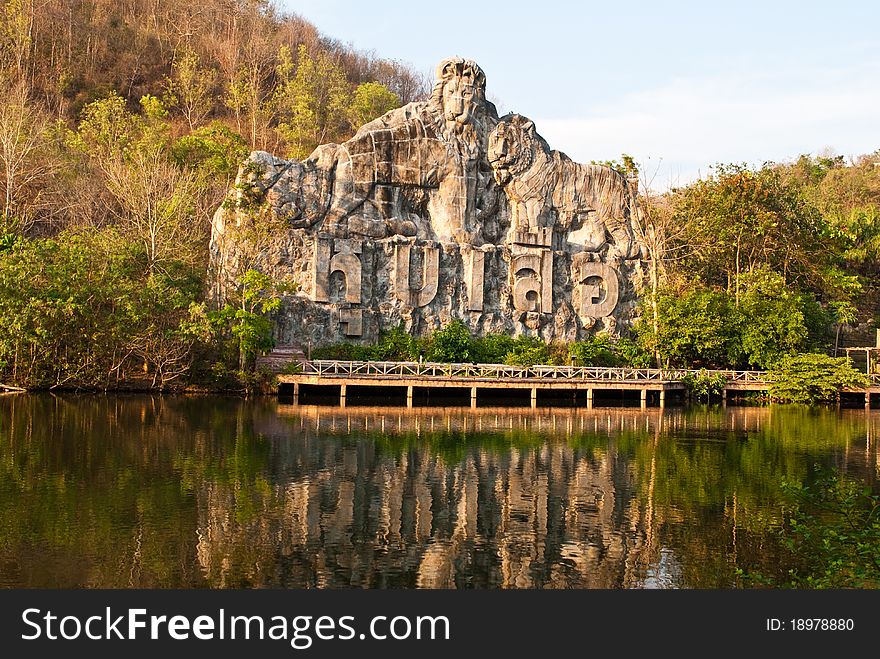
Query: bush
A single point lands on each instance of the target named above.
(703, 386)
(772, 319)
(492, 348)
(697, 327)
(396, 345)
(630, 353)
(832, 535)
(595, 351)
(452, 344)
(813, 378)
(528, 351)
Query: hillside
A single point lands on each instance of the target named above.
(123, 126)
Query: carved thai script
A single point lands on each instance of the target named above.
(600, 288)
(423, 295)
(345, 260)
(352, 321)
(475, 269)
(532, 271)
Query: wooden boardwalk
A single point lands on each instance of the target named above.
(652, 384)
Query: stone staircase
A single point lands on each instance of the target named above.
(280, 357)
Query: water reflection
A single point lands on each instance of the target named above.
(205, 491)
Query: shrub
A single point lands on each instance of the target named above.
(813, 378)
(832, 535)
(630, 353)
(396, 345)
(595, 351)
(492, 348)
(452, 344)
(528, 351)
(697, 327)
(702, 385)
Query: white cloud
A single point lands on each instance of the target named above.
(693, 123)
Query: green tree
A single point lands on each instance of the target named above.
(811, 378)
(772, 319)
(312, 100)
(492, 348)
(528, 351)
(81, 311)
(155, 199)
(844, 314)
(249, 320)
(370, 100)
(191, 87)
(396, 345)
(745, 220)
(696, 327)
(452, 344)
(596, 350)
(214, 150)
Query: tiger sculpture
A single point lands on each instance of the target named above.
(592, 204)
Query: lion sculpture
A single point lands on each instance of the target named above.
(593, 204)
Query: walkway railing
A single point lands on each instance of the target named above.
(334, 368)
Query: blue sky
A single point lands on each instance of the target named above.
(679, 85)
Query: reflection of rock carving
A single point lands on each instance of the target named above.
(416, 297)
(547, 188)
(345, 261)
(532, 271)
(598, 298)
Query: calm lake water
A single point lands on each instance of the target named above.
(140, 491)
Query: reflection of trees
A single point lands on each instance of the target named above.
(89, 495)
(139, 491)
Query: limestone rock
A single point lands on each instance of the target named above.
(434, 211)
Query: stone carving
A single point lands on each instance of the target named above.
(475, 277)
(438, 210)
(600, 288)
(416, 297)
(532, 270)
(352, 320)
(345, 261)
(547, 189)
(425, 154)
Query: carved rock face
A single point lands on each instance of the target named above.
(463, 89)
(511, 149)
(436, 211)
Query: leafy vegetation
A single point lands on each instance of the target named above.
(831, 535)
(123, 127)
(703, 385)
(813, 378)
